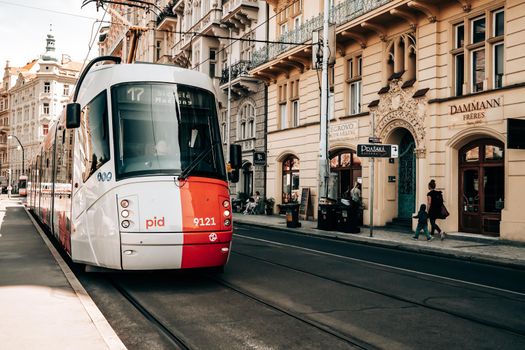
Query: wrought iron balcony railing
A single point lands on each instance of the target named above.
(342, 13)
(237, 69)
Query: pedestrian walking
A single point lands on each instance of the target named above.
(422, 223)
(9, 189)
(435, 203)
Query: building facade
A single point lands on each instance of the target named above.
(36, 99)
(441, 79)
(214, 37)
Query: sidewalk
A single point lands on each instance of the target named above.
(43, 305)
(458, 245)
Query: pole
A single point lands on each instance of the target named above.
(23, 152)
(323, 140)
(372, 178)
(228, 123)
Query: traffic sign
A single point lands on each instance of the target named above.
(375, 150)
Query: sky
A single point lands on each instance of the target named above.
(24, 25)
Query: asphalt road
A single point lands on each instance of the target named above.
(288, 291)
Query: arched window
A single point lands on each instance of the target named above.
(345, 165)
(290, 192)
(246, 121)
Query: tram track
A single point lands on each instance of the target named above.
(463, 316)
(323, 328)
(175, 339)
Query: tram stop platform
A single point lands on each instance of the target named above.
(42, 304)
(483, 249)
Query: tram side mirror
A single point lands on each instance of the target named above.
(73, 115)
(235, 156)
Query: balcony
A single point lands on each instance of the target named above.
(341, 14)
(167, 20)
(242, 83)
(240, 13)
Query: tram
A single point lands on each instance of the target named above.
(132, 176)
(22, 185)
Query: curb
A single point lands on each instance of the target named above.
(442, 252)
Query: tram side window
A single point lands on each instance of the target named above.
(95, 135)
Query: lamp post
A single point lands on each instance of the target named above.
(23, 152)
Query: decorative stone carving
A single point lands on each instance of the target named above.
(420, 152)
(397, 109)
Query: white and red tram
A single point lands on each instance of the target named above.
(132, 177)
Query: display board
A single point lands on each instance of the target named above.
(305, 207)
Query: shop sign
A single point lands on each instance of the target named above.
(259, 158)
(377, 150)
(348, 130)
(474, 112)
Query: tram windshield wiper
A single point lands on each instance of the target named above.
(187, 171)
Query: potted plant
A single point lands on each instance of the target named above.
(268, 205)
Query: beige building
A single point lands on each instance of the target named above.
(37, 94)
(441, 79)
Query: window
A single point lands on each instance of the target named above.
(297, 22)
(251, 132)
(459, 62)
(284, 121)
(66, 90)
(498, 66)
(498, 23)
(478, 30)
(158, 49)
(47, 87)
(354, 68)
(295, 113)
(248, 46)
(284, 28)
(331, 105)
(213, 62)
(45, 129)
(459, 36)
(246, 123)
(478, 70)
(94, 135)
(290, 185)
(46, 108)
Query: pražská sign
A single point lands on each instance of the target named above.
(377, 151)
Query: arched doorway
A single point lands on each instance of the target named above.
(481, 186)
(290, 189)
(407, 177)
(346, 166)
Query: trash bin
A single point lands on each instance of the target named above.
(348, 218)
(327, 217)
(292, 215)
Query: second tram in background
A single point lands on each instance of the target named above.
(132, 177)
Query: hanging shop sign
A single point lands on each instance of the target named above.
(377, 151)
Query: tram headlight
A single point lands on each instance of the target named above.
(227, 222)
(125, 223)
(226, 204)
(125, 213)
(124, 203)
(226, 213)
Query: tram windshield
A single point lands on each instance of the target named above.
(162, 128)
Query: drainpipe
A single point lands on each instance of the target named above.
(266, 113)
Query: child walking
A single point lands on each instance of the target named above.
(422, 217)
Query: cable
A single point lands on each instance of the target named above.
(93, 37)
(47, 10)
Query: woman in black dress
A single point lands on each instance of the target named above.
(435, 201)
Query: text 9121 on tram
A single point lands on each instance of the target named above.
(132, 176)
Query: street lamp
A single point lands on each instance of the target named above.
(9, 137)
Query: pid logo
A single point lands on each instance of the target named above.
(154, 223)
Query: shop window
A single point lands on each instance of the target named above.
(345, 167)
(290, 184)
(471, 155)
(493, 152)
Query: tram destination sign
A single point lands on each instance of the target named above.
(375, 150)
